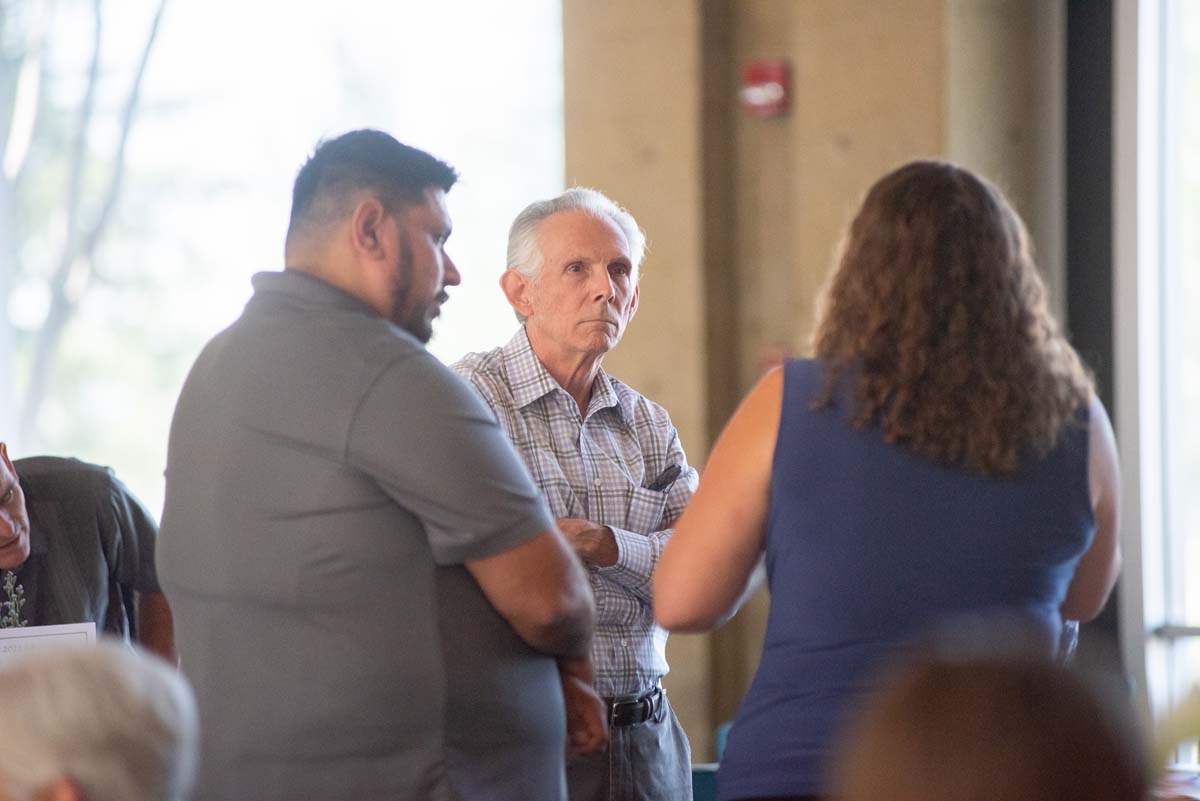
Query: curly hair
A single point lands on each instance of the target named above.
(937, 310)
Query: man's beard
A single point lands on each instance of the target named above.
(416, 320)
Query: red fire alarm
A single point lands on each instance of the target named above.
(766, 88)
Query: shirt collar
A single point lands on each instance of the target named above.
(520, 360)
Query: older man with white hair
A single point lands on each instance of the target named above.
(95, 723)
(608, 461)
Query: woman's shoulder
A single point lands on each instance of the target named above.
(802, 370)
(804, 381)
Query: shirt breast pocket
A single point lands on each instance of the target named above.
(645, 510)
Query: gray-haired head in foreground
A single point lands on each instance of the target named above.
(524, 252)
(116, 722)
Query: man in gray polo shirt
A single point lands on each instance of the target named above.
(369, 592)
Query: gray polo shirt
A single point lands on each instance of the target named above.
(326, 479)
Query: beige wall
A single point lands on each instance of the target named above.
(743, 213)
(1006, 115)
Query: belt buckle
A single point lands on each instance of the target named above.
(623, 713)
(634, 712)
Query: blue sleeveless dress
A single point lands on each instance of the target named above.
(870, 545)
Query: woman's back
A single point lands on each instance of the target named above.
(869, 544)
(999, 494)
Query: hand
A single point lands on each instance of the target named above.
(594, 544)
(587, 730)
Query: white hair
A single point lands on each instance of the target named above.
(525, 254)
(117, 722)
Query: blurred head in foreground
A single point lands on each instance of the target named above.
(95, 723)
(988, 729)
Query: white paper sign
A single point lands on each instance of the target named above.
(16, 641)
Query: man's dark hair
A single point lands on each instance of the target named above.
(365, 159)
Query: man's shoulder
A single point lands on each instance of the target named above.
(637, 405)
(58, 474)
(374, 343)
(484, 370)
(335, 356)
(486, 363)
(271, 325)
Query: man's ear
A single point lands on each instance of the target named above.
(7, 462)
(637, 294)
(368, 224)
(516, 288)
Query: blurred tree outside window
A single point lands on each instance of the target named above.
(148, 149)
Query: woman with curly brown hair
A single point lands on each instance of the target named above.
(943, 455)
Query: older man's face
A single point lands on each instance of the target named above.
(14, 521)
(587, 291)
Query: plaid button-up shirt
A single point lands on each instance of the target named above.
(599, 467)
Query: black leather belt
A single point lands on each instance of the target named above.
(634, 711)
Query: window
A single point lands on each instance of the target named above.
(100, 330)
(1179, 264)
(1158, 342)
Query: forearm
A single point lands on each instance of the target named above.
(540, 588)
(722, 532)
(567, 633)
(156, 628)
(579, 667)
(756, 581)
(554, 616)
(587, 731)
